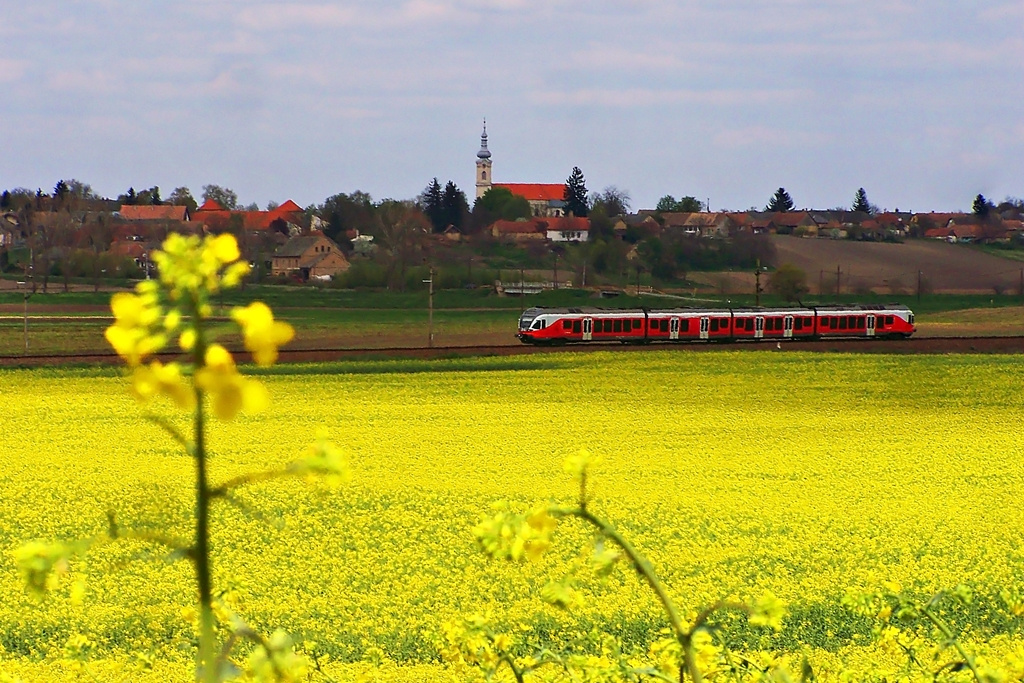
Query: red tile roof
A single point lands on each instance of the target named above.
(536, 191)
(210, 205)
(287, 208)
(564, 224)
(153, 213)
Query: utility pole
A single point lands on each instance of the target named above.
(522, 293)
(29, 275)
(757, 284)
(430, 309)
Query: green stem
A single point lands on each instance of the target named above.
(941, 625)
(201, 557)
(643, 566)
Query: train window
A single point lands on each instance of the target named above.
(714, 324)
(842, 323)
(566, 325)
(809, 322)
(664, 325)
(862, 323)
(798, 323)
(750, 324)
(889, 320)
(576, 327)
(618, 326)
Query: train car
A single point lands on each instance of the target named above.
(773, 323)
(642, 326)
(889, 321)
(571, 325)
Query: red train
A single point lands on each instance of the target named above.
(644, 325)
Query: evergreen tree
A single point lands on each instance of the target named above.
(454, 205)
(781, 201)
(61, 191)
(5, 200)
(860, 201)
(981, 206)
(431, 204)
(576, 194)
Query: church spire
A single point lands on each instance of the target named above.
(484, 153)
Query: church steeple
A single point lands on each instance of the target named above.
(484, 153)
(483, 165)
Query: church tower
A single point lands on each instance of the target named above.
(483, 165)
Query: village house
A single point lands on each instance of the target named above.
(313, 256)
(516, 231)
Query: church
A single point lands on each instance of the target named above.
(546, 199)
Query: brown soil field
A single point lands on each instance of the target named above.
(892, 268)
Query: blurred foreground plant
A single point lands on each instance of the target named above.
(689, 649)
(177, 308)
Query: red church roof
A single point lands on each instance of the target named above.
(535, 192)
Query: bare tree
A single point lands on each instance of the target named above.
(402, 229)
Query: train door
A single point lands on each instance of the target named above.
(787, 327)
(759, 327)
(705, 324)
(673, 328)
(871, 325)
(588, 329)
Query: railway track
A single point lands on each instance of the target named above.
(915, 345)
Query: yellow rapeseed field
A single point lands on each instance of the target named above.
(806, 475)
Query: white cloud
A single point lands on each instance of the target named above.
(766, 136)
(12, 70)
(632, 98)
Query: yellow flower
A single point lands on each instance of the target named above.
(261, 333)
(159, 379)
(229, 391)
(224, 248)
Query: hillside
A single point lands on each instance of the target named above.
(888, 267)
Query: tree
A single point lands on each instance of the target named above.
(981, 206)
(61, 191)
(861, 203)
(343, 212)
(222, 195)
(150, 197)
(430, 203)
(129, 198)
(500, 203)
(687, 204)
(454, 206)
(402, 227)
(789, 282)
(576, 194)
(612, 200)
(781, 201)
(182, 196)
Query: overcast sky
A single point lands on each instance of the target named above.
(921, 103)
